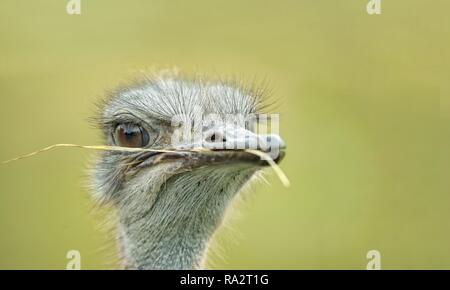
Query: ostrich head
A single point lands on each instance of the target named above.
(169, 205)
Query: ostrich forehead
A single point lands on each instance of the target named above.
(164, 98)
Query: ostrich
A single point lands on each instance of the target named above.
(169, 204)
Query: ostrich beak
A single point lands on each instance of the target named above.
(224, 148)
(234, 143)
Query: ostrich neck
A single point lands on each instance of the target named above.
(171, 229)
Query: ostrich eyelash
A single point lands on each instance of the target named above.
(277, 169)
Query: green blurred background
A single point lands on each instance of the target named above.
(362, 110)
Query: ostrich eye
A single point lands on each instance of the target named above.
(130, 135)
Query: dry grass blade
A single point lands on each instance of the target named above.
(93, 147)
(279, 172)
(277, 169)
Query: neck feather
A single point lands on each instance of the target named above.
(171, 229)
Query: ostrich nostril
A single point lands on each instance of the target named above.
(217, 138)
